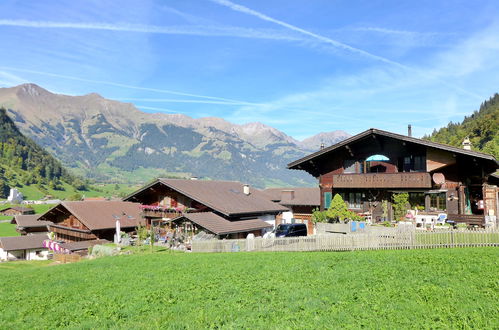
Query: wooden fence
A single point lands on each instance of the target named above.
(379, 240)
(65, 258)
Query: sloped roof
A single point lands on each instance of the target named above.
(18, 208)
(220, 226)
(374, 131)
(97, 215)
(302, 196)
(83, 245)
(226, 197)
(23, 242)
(29, 221)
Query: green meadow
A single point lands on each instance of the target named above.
(441, 288)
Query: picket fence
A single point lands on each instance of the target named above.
(376, 240)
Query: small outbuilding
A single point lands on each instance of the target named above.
(16, 210)
(29, 247)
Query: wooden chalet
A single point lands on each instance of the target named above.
(300, 202)
(91, 220)
(167, 199)
(16, 210)
(29, 224)
(370, 167)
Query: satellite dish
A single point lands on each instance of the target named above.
(438, 178)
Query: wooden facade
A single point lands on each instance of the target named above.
(438, 178)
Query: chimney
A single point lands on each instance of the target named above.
(466, 144)
(246, 189)
(322, 145)
(409, 130)
(287, 195)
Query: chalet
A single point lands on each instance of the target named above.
(91, 220)
(29, 224)
(28, 247)
(368, 168)
(300, 202)
(17, 210)
(229, 209)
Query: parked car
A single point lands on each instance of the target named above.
(291, 230)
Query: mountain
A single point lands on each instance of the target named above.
(324, 138)
(112, 141)
(24, 163)
(482, 128)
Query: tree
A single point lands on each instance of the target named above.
(338, 210)
(318, 215)
(400, 205)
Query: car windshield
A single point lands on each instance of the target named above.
(282, 228)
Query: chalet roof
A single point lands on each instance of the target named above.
(83, 245)
(18, 208)
(302, 196)
(23, 242)
(374, 131)
(29, 221)
(97, 215)
(220, 226)
(226, 197)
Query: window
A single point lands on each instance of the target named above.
(353, 199)
(417, 199)
(438, 202)
(420, 163)
(327, 200)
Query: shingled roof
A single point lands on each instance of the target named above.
(23, 242)
(97, 215)
(226, 197)
(29, 221)
(220, 226)
(373, 131)
(295, 196)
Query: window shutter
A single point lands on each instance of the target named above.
(327, 199)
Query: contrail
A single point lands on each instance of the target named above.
(197, 30)
(182, 101)
(109, 83)
(337, 44)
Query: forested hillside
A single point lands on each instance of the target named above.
(482, 127)
(24, 163)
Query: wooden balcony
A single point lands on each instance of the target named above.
(165, 214)
(383, 180)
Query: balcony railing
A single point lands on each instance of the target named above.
(153, 211)
(383, 180)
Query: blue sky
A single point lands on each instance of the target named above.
(303, 67)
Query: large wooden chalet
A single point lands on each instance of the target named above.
(91, 220)
(227, 208)
(370, 167)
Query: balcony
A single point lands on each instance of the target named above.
(383, 180)
(151, 211)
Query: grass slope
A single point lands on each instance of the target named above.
(447, 288)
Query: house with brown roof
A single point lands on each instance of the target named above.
(226, 208)
(91, 220)
(16, 210)
(301, 202)
(29, 224)
(29, 247)
(368, 168)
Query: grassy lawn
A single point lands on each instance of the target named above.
(443, 288)
(6, 229)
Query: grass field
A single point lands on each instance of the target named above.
(444, 288)
(7, 229)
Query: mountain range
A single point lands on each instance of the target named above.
(111, 141)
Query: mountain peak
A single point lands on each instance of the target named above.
(31, 89)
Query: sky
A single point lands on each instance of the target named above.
(301, 66)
